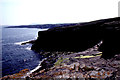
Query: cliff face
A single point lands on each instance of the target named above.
(81, 37)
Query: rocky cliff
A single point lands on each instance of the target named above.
(81, 37)
(71, 52)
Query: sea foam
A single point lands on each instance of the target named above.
(19, 43)
(28, 48)
(39, 66)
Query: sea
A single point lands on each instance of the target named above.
(16, 57)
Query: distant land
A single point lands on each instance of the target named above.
(43, 26)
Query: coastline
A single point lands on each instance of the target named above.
(88, 62)
(36, 68)
(72, 62)
(69, 64)
(73, 65)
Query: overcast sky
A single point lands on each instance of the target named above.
(25, 12)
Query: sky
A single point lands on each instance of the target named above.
(27, 12)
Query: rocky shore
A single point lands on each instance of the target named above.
(81, 68)
(84, 65)
(87, 64)
(83, 51)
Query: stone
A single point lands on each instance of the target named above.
(21, 74)
(82, 65)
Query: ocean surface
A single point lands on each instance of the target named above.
(16, 57)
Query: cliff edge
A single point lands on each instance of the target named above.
(81, 37)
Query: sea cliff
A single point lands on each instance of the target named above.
(81, 37)
(83, 51)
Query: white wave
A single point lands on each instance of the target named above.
(28, 48)
(43, 29)
(39, 65)
(19, 43)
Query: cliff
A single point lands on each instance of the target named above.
(81, 37)
(71, 52)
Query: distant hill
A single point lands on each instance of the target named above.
(43, 26)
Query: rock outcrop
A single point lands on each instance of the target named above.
(82, 65)
(19, 75)
(70, 65)
(81, 37)
(74, 52)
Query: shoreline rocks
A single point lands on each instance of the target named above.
(74, 65)
(72, 54)
(19, 75)
(77, 68)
